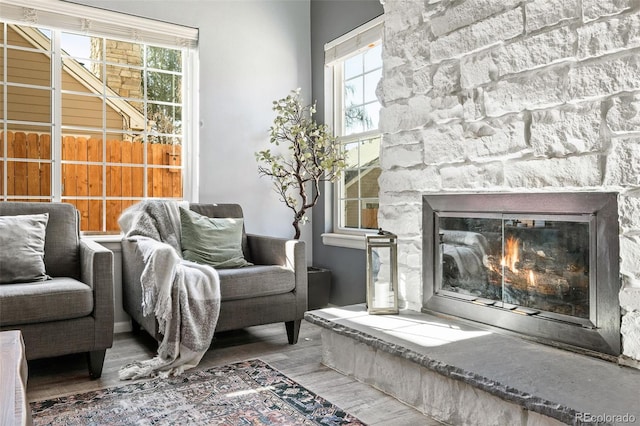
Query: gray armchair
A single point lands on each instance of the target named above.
(273, 290)
(73, 311)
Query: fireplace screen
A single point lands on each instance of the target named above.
(543, 265)
(532, 264)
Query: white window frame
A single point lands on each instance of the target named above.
(336, 51)
(86, 20)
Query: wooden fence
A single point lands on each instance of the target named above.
(88, 170)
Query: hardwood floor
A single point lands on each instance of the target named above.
(66, 375)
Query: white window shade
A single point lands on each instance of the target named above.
(99, 22)
(354, 41)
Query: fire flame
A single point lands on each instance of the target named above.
(512, 257)
(512, 254)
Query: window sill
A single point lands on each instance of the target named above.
(112, 238)
(345, 240)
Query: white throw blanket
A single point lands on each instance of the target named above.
(184, 296)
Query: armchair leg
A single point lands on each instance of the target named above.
(293, 329)
(135, 327)
(95, 360)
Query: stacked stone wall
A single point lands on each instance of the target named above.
(124, 79)
(511, 95)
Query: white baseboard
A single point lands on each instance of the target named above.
(121, 327)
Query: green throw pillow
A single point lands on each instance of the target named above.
(22, 253)
(212, 241)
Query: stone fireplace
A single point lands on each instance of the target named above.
(519, 97)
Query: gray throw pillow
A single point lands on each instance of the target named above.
(22, 242)
(212, 241)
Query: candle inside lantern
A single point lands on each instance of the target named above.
(383, 295)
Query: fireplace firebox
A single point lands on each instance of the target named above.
(544, 265)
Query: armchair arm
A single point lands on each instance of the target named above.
(96, 270)
(288, 253)
(265, 250)
(132, 267)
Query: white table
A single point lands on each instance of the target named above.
(14, 407)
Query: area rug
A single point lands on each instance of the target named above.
(244, 393)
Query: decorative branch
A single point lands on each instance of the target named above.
(314, 155)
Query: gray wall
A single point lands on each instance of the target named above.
(329, 20)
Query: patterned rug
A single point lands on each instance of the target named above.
(245, 393)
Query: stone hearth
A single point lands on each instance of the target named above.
(511, 96)
(464, 375)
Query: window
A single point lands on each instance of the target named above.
(91, 112)
(354, 68)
